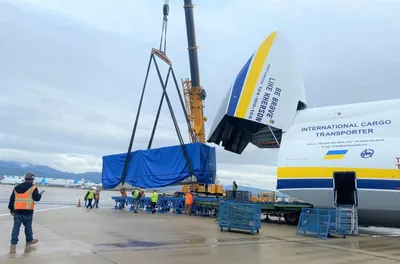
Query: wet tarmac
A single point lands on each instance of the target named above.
(69, 234)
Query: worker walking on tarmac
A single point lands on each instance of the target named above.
(90, 196)
(188, 202)
(86, 198)
(96, 198)
(154, 200)
(234, 188)
(136, 196)
(22, 205)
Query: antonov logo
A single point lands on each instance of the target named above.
(398, 162)
(368, 153)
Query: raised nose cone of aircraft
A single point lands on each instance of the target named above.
(263, 100)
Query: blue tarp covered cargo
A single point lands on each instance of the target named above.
(160, 167)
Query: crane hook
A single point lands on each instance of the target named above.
(164, 27)
(166, 9)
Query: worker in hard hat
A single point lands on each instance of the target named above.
(21, 206)
(154, 200)
(188, 202)
(136, 199)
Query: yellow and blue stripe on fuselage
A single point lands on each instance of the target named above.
(322, 178)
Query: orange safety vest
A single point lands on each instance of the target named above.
(96, 196)
(24, 201)
(189, 198)
(123, 194)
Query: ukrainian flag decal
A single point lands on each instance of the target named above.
(335, 154)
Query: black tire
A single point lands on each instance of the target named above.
(258, 231)
(221, 229)
(292, 219)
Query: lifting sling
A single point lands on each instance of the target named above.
(162, 55)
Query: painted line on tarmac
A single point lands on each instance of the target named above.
(43, 210)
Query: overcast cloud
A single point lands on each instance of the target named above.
(71, 71)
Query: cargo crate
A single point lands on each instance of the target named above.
(240, 195)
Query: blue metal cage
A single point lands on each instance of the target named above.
(322, 222)
(241, 216)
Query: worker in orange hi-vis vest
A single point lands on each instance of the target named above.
(188, 202)
(22, 205)
(123, 194)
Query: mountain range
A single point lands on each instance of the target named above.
(14, 168)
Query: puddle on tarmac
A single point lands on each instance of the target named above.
(221, 240)
(133, 243)
(137, 243)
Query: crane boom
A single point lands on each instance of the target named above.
(192, 47)
(194, 95)
(197, 94)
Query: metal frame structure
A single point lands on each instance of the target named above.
(164, 58)
(187, 95)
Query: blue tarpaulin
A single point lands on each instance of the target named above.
(160, 167)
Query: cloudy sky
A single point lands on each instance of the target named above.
(71, 71)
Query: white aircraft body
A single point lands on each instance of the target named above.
(43, 181)
(69, 183)
(37, 180)
(353, 148)
(75, 183)
(58, 182)
(90, 185)
(12, 180)
(362, 139)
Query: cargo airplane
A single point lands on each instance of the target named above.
(351, 151)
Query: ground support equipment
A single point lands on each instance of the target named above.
(239, 215)
(322, 223)
(204, 206)
(201, 206)
(290, 211)
(121, 202)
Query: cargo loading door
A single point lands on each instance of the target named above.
(345, 188)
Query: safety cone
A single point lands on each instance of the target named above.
(79, 203)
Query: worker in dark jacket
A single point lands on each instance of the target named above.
(22, 205)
